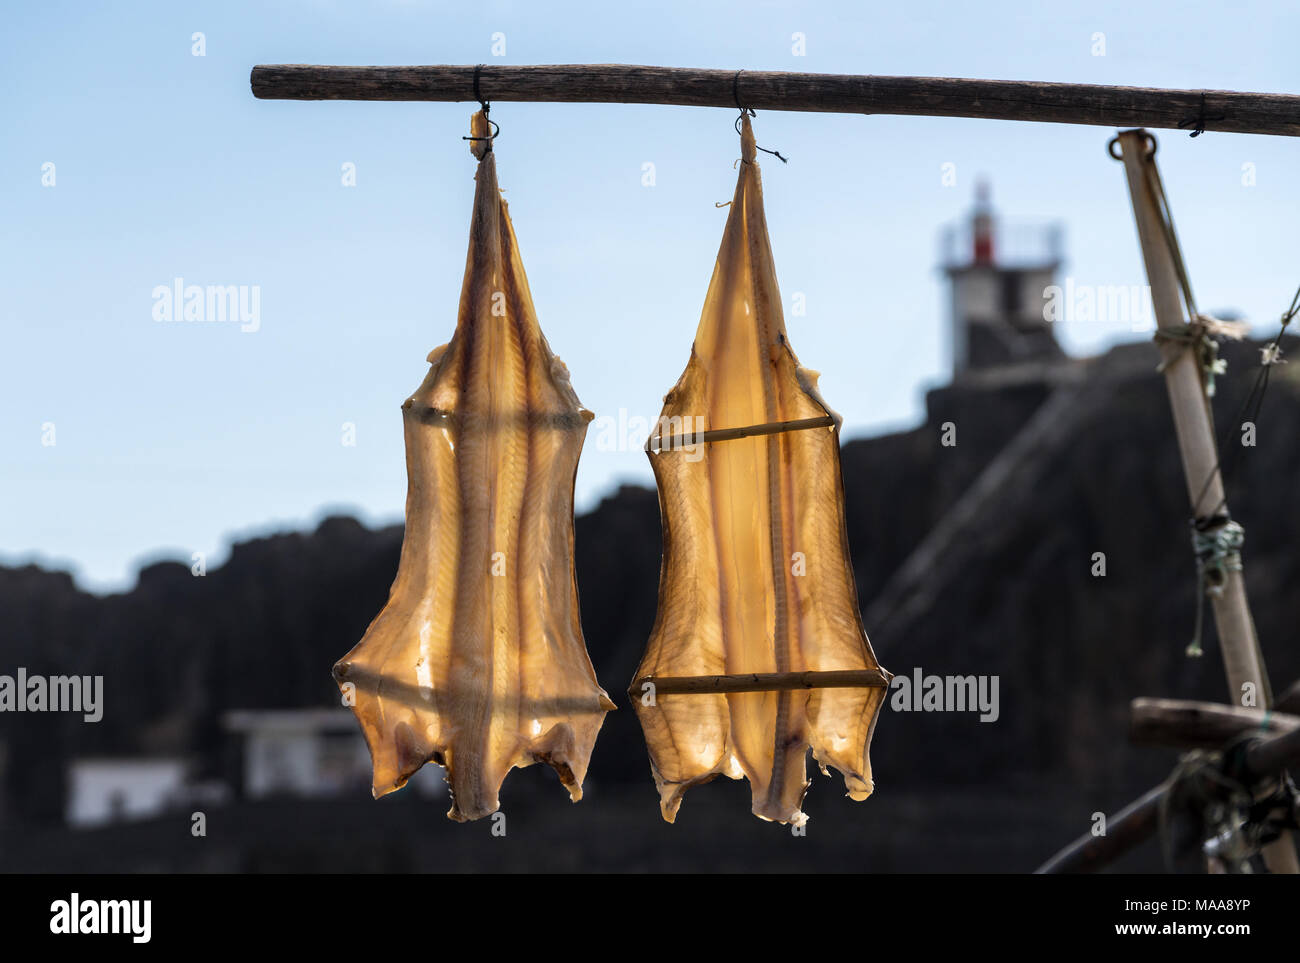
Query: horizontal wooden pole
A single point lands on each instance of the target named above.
(761, 682)
(1185, 724)
(1222, 110)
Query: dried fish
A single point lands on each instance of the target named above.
(755, 575)
(477, 662)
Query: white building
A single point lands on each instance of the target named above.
(108, 790)
(310, 752)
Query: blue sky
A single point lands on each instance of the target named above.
(173, 438)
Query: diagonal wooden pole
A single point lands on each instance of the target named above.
(1107, 106)
(1194, 427)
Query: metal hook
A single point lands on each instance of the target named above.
(494, 127)
(496, 132)
(735, 93)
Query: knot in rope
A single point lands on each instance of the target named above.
(1217, 544)
(1199, 334)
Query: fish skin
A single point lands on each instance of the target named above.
(477, 671)
(729, 599)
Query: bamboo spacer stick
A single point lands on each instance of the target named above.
(1105, 106)
(761, 682)
(656, 443)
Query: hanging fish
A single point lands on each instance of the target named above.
(755, 575)
(477, 661)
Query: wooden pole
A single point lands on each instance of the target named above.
(1223, 110)
(1194, 427)
(1186, 724)
(1129, 827)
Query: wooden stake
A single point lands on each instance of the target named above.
(1194, 427)
(1224, 110)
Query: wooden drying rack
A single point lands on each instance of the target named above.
(1195, 111)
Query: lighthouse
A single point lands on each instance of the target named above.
(998, 276)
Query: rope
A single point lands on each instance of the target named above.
(1216, 539)
(1270, 356)
(1167, 223)
(1216, 543)
(1201, 330)
(1198, 122)
(1199, 334)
